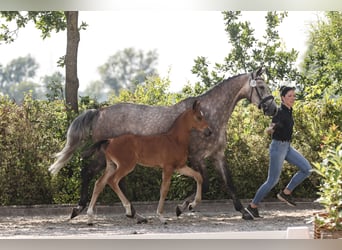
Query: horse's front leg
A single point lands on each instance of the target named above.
(222, 168)
(164, 189)
(187, 171)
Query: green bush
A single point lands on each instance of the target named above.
(31, 133)
(330, 188)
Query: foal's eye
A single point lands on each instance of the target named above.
(199, 118)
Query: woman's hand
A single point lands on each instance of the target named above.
(270, 129)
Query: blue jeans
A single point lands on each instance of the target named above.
(279, 152)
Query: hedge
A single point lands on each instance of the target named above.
(32, 132)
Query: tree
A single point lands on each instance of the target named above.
(16, 78)
(249, 53)
(71, 79)
(98, 90)
(128, 68)
(322, 66)
(54, 86)
(48, 21)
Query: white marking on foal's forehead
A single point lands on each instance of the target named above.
(201, 112)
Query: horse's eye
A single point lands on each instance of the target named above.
(199, 118)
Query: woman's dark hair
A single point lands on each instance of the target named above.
(284, 89)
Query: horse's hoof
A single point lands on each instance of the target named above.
(76, 211)
(141, 220)
(190, 207)
(90, 224)
(247, 216)
(178, 211)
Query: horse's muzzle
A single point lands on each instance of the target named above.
(268, 106)
(207, 131)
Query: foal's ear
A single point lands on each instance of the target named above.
(196, 105)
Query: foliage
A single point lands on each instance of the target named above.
(16, 78)
(154, 91)
(28, 135)
(45, 21)
(330, 188)
(249, 53)
(128, 68)
(54, 86)
(322, 66)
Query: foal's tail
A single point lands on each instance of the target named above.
(78, 130)
(94, 148)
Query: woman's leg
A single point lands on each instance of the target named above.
(278, 152)
(295, 158)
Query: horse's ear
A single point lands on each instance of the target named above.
(196, 105)
(259, 72)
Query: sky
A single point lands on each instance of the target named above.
(178, 36)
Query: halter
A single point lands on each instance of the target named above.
(253, 84)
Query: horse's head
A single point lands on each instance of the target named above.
(198, 120)
(260, 94)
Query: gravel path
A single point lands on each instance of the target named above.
(110, 222)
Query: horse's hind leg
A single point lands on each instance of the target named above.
(226, 175)
(198, 178)
(87, 173)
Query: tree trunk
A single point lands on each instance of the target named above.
(71, 79)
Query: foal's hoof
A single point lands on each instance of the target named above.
(132, 215)
(76, 211)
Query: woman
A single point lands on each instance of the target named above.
(281, 130)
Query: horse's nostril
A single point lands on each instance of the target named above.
(207, 132)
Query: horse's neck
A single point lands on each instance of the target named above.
(224, 96)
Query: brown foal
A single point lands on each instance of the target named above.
(168, 151)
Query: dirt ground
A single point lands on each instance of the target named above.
(110, 221)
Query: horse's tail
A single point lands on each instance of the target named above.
(78, 130)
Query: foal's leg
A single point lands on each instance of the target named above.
(98, 187)
(114, 184)
(164, 189)
(199, 180)
(201, 169)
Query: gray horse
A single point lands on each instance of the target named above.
(217, 103)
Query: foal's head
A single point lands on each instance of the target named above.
(197, 120)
